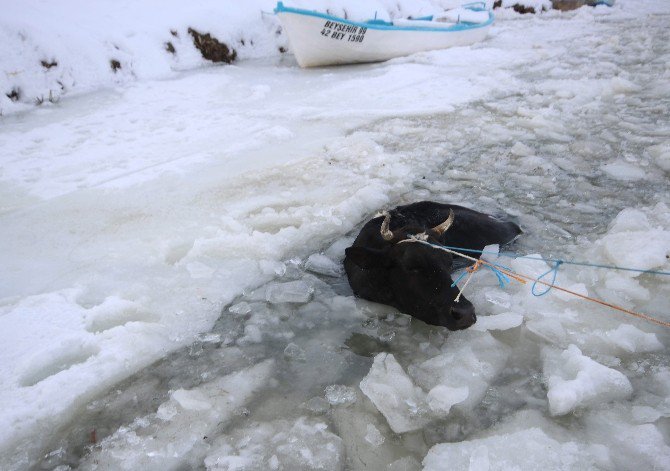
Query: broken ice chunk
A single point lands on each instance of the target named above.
(531, 448)
(191, 399)
(504, 321)
(406, 463)
(632, 340)
(441, 398)
(337, 394)
(548, 329)
(283, 445)
(470, 359)
(373, 436)
(645, 414)
(631, 446)
(271, 267)
(200, 270)
(298, 291)
(576, 380)
(178, 429)
(240, 309)
(498, 298)
(252, 334)
(317, 405)
(392, 392)
(624, 248)
(318, 263)
(294, 352)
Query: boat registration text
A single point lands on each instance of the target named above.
(343, 32)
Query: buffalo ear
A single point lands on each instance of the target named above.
(367, 258)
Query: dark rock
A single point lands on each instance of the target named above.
(14, 95)
(211, 49)
(517, 7)
(523, 9)
(567, 5)
(48, 65)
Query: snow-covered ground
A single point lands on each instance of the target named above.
(171, 293)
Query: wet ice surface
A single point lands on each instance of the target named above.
(298, 374)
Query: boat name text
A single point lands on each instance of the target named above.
(340, 31)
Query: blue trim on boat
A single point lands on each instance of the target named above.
(385, 25)
(476, 6)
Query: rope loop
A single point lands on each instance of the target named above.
(554, 271)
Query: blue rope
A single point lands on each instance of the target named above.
(568, 262)
(553, 270)
(503, 280)
(460, 277)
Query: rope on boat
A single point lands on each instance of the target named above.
(504, 272)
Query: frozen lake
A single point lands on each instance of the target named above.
(172, 294)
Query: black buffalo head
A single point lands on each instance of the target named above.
(398, 263)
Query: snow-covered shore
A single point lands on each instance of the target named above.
(55, 49)
(133, 215)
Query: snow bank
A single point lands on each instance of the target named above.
(86, 46)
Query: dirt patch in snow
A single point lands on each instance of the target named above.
(211, 49)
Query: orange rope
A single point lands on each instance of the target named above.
(471, 270)
(524, 278)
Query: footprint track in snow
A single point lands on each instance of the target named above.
(114, 312)
(49, 363)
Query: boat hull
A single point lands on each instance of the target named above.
(319, 40)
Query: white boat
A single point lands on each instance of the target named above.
(318, 39)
